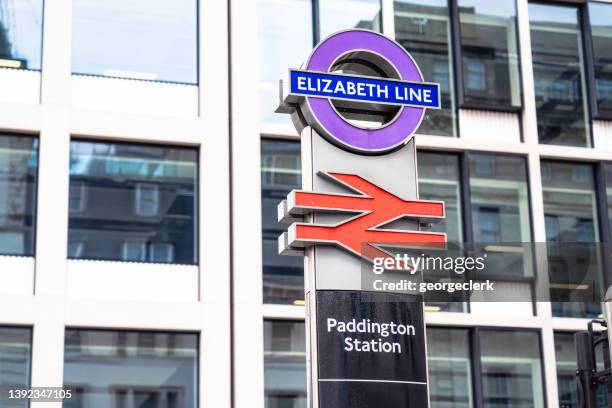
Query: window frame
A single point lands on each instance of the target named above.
(36, 149)
(457, 56)
(197, 196)
(589, 57)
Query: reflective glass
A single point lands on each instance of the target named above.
(18, 179)
(283, 276)
(423, 28)
(511, 369)
(335, 15)
(489, 46)
(126, 369)
(450, 373)
(285, 364)
(21, 34)
(15, 364)
(139, 39)
(558, 70)
(570, 211)
(565, 353)
(439, 181)
(133, 203)
(600, 15)
(500, 211)
(285, 39)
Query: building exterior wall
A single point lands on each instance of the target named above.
(220, 298)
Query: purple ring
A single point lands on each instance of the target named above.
(374, 140)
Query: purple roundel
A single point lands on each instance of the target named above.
(333, 126)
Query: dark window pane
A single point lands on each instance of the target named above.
(500, 199)
(336, 15)
(500, 212)
(571, 217)
(285, 39)
(439, 181)
(600, 15)
(489, 46)
(141, 39)
(285, 364)
(565, 352)
(145, 368)
(283, 276)
(21, 34)
(511, 369)
(450, 374)
(15, 363)
(18, 175)
(558, 70)
(132, 203)
(423, 28)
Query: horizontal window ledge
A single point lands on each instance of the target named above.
(132, 281)
(134, 96)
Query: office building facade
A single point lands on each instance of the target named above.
(141, 163)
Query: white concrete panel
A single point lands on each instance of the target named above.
(131, 281)
(134, 96)
(16, 275)
(19, 86)
(602, 135)
(490, 127)
(509, 298)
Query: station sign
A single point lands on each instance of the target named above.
(370, 350)
(357, 102)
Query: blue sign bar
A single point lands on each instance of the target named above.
(365, 89)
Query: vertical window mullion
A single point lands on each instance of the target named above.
(476, 368)
(604, 223)
(466, 198)
(456, 52)
(589, 63)
(316, 22)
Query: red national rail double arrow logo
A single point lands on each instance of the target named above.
(363, 234)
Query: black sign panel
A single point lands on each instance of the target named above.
(371, 350)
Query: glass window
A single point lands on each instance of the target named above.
(500, 199)
(21, 34)
(600, 15)
(285, 39)
(131, 369)
(18, 178)
(285, 364)
(423, 28)
(511, 369)
(139, 39)
(450, 372)
(489, 46)
(283, 276)
(565, 352)
(439, 181)
(338, 15)
(500, 211)
(558, 69)
(133, 203)
(570, 210)
(15, 363)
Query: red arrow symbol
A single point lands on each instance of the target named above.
(374, 206)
